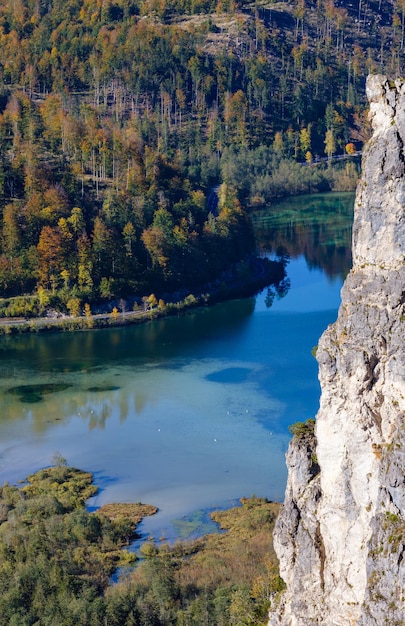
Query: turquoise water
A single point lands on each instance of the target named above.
(184, 413)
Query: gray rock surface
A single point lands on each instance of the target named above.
(341, 535)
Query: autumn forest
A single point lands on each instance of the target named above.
(119, 119)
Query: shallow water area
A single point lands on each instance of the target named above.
(187, 413)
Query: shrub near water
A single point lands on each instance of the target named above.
(21, 306)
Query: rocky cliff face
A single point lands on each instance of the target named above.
(341, 536)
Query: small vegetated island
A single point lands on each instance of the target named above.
(135, 135)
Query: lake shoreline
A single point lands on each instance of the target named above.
(192, 411)
(258, 273)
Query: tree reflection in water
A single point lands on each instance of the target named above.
(318, 227)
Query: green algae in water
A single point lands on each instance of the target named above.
(195, 525)
(35, 393)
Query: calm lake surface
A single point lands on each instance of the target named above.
(186, 413)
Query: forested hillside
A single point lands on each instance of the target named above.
(118, 117)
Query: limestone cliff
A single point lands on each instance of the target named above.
(341, 536)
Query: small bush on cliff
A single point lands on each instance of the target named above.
(302, 429)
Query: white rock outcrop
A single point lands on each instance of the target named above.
(341, 535)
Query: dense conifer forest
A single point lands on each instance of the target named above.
(120, 118)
